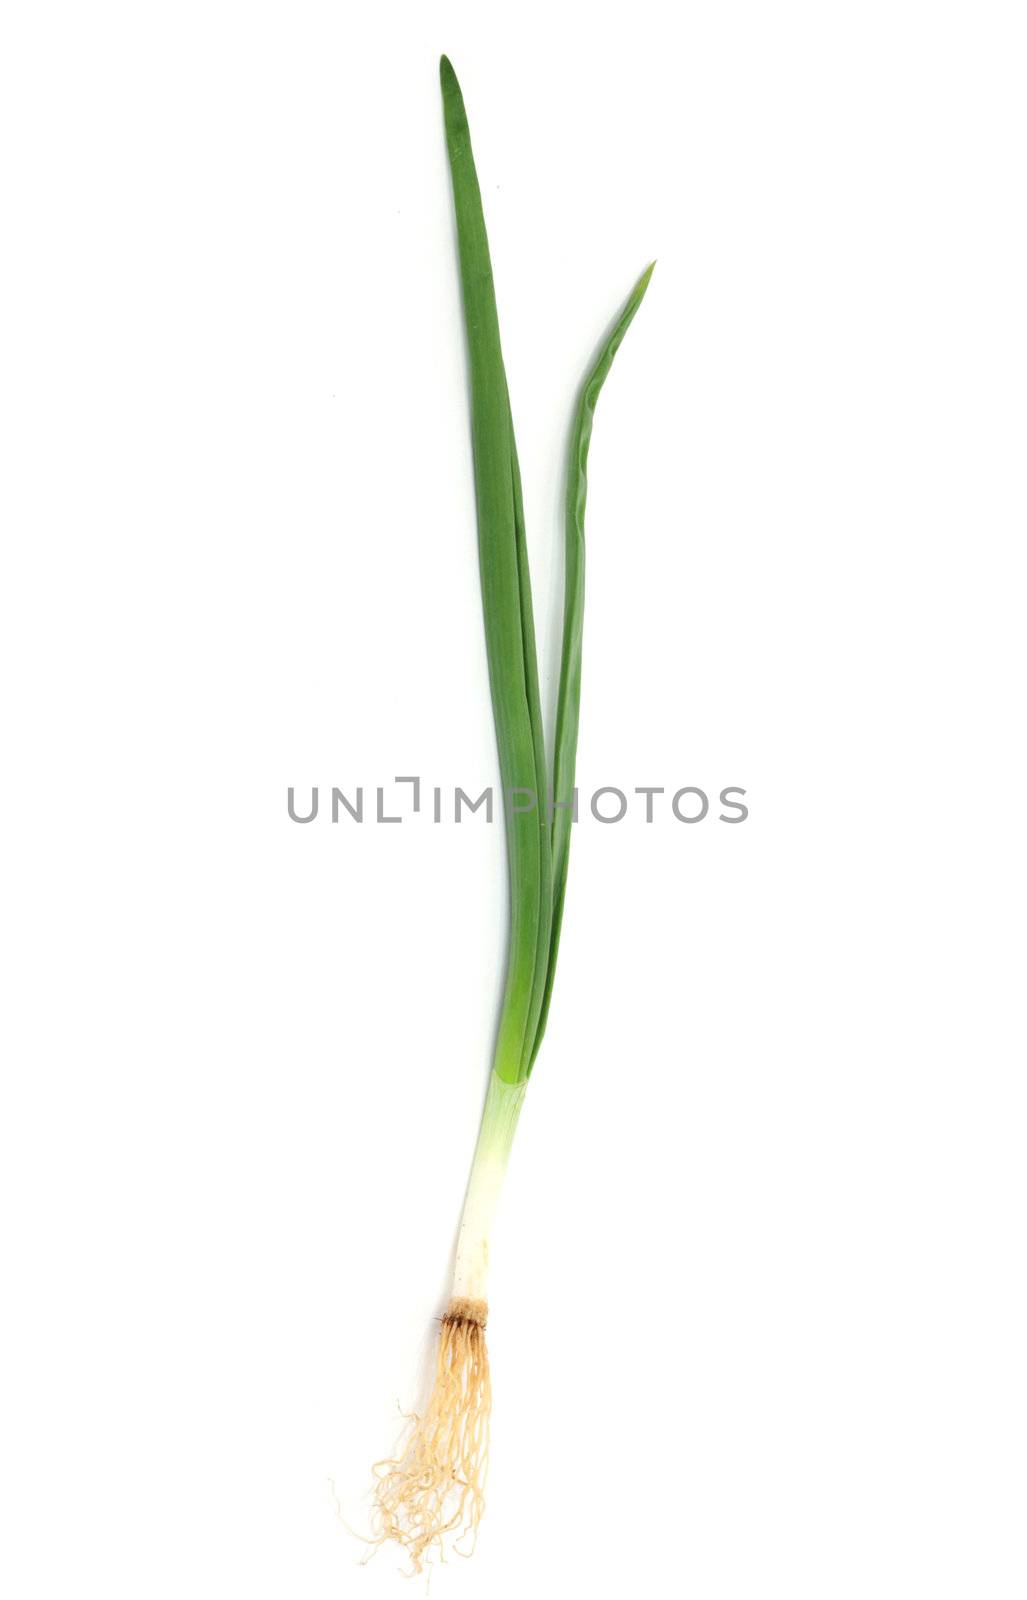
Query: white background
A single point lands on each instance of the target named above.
(758, 1319)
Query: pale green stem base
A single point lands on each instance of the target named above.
(492, 1152)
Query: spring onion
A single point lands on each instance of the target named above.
(434, 1487)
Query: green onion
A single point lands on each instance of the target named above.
(435, 1487)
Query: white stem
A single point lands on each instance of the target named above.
(492, 1152)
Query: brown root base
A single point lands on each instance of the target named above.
(434, 1489)
(460, 1310)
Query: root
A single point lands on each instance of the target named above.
(435, 1486)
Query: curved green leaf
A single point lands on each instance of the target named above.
(569, 701)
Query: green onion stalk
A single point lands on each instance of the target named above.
(435, 1487)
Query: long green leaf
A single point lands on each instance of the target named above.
(569, 700)
(506, 602)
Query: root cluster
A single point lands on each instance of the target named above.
(434, 1489)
